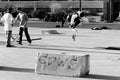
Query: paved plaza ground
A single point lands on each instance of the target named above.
(103, 46)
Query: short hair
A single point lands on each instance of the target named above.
(10, 10)
(20, 9)
(82, 14)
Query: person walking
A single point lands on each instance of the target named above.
(23, 18)
(7, 20)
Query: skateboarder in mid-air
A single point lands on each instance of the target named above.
(74, 21)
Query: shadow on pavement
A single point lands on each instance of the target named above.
(90, 76)
(108, 48)
(113, 48)
(14, 69)
(33, 39)
(103, 77)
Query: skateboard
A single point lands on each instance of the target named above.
(15, 39)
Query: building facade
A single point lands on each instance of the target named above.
(93, 6)
(51, 0)
(111, 10)
(63, 3)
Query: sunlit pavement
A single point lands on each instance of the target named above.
(103, 46)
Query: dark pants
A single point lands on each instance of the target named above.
(63, 21)
(26, 34)
(76, 23)
(8, 37)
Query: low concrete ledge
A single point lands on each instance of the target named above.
(73, 65)
(46, 32)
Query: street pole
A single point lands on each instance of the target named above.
(111, 10)
(34, 6)
(80, 5)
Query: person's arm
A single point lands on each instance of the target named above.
(17, 18)
(2, 19)
(12, 19)
(72, 19)
(26, 17)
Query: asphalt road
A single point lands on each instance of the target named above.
(103, 46)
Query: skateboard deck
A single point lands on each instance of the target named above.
(15, 39)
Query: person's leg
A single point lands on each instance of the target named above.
(74, 29)
(20, 35)
(27, 35)
(8, 38)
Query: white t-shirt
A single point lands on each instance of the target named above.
(7, 19)
(73, 18)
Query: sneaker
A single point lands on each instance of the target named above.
(20, 44)
(10, 46)
(29, 43)
(73, 37)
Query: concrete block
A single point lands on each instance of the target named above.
(73, 65)
(44, 32)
